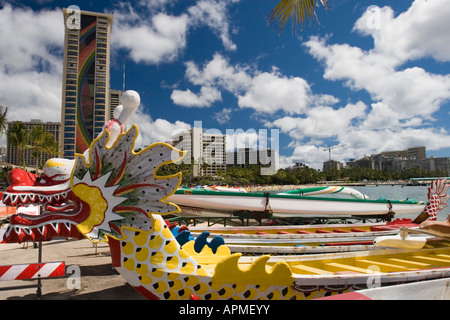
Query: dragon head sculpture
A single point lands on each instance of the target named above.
(120, 187)
(53, 193)
(105, 188)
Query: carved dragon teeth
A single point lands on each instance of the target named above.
(41, 232)
(14, 199)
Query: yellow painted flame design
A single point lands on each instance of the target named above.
(257, 273)
(93, 196)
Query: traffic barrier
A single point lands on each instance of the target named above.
(32, 271)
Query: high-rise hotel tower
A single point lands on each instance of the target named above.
(85, 93)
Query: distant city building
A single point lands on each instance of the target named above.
(398, 160)
(12, 154)
(411, 153)
(115, 99)
(366, 162)
(85, 89)
(206, 150)
(249, 156)
(2, 153)
(332, 165)
(441, 163)
(214, 153)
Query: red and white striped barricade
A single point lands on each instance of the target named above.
(32, 271)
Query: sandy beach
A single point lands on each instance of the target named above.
(98, 279)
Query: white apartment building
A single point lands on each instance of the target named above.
(206, 150)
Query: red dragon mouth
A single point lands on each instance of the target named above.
(44, 227)
(28, 188)
(59, 215)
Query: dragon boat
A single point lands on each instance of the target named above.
(299, 202)
(112, 193)
(300, 239)
(298, 230)
(301, 244)
(337, 240)
(274, 244)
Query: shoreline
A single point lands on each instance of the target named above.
(259, 188)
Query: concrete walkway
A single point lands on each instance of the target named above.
(98, 279)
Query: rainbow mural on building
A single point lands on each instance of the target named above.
(86, 79)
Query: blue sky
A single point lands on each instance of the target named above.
(371, 76)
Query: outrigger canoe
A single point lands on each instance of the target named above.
(302, 244)
(307, 229)
(316, 243)
(290, 204)
(322, 275)
(302, 239)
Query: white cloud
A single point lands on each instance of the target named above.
(31, 63)
(214, 14)
(321, 122)
(269, 92)
(219, 72)
(407, 93)
(310, 154)
(151, 131)
(151, 42)
(28, 38)
(153, 37)
(265, 92)
(239, 139)
(420, 31)
(156, 4)
(31, 95)
(187, 98)
(381, 116)
(223, 116)
(366, 142)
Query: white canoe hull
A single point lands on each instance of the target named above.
(438, 289)
(288, 206)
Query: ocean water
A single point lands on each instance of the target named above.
(397, 192)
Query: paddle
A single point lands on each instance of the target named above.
(405, 241)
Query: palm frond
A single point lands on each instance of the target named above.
(298, 11)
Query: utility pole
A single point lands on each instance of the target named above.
(123, 77)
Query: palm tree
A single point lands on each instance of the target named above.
(50, 146)
(37, 136)
(43, 143)
(296, 10)
(3, 120)
(17, 136)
